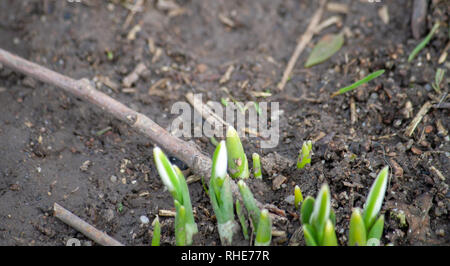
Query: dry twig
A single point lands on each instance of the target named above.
(83, 227)
(303, 41)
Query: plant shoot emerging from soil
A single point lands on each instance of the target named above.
(264, 230)
(304, 157)
(318, 220)
(367, 228)
(256, 166)
(221, 195)
(173, 179)
(237, 160)
(156, 232)
(298, 197)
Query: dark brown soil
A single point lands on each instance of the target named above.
(46, 135)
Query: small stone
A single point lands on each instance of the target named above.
(397, 123)
(428, 129)
(290, 199)
(144, 219)
(113, 178)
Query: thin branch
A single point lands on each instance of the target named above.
(86, 229)
(186, 152)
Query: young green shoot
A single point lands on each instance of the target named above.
(440, 73)
(424, 42)
(156, 232)
(305, 155)
(241, 216)
(221, 195)
(237, 160)
(256, 166)
(173, 179)
(358, 83)
(250, 203)
(318, 220)
(298, 197)
(366, 227)
(264, 229)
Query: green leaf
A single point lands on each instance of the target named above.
(249, 202)
(321, 212)
(237, 160)
(264, 230)
(241, 216)
(357, 232)
(258, 109)
(308, 232)
(307, 209)
(191, 226)
(180, 224)
(333, 217)
(375, 198)
(156, 232)
(377, 229)
(438, 79)
(359, 82)
(424, 42)
(329, 235)
(325, 48)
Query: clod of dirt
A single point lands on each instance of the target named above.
(274, 163)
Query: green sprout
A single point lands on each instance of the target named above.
(264, 230)
(424, 42)
(173, 179)
(358, 83)
(438, 80)
(298, 197)
(367, 228)
(237, 160)
(256, 166)
(221, 195)
(305, 154)
(319, 220)
(250, 203)
(156, 232)
(240, 214)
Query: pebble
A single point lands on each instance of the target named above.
(113, 178)
(144, 219)
(397, 123)
(290, 199)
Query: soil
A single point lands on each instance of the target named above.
(53, 150)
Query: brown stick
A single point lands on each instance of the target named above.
(83, 89)
(303, 41)
(195, 159)
(83, 227)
